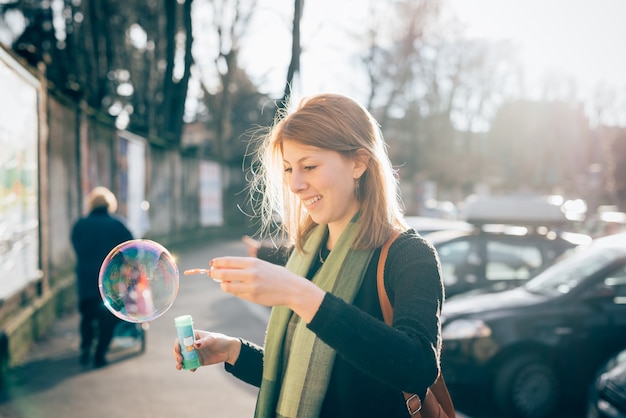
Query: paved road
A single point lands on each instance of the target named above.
(51, 384)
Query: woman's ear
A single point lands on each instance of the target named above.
(361, 161)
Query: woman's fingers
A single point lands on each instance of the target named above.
(229, 268)
(177, 355)
(223, 263)
(233, 262)
(196, 271)
(253, 279)
(234, 269)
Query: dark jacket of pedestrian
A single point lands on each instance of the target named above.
(93, 237)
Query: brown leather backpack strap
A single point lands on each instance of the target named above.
(385, 304)
(441, 393)
(413, 402)
(437, 403)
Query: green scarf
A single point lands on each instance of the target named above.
(310, 362)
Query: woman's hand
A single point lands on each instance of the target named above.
(267, 284)
(212, 348)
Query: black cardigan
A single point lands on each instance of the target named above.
(374, 362)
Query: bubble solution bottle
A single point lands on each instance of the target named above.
(184, 328)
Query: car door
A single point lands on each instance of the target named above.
(601, 330)
(613, 306)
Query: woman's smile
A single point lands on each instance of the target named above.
(310, 202)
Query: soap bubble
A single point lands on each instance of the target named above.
(138, 280)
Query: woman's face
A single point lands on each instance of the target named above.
(324, 181)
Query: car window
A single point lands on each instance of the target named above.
(565, 275)
(452, 256)
(617, 280)
(509, 261)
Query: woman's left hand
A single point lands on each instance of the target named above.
(267, 284)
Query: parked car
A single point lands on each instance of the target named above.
(607, 396)
(426, 225)
(501, 243)
(497, 256)
(530, 349)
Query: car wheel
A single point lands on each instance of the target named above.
(526, 387)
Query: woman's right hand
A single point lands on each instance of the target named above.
(212, 348)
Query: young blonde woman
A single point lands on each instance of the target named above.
(328, 352)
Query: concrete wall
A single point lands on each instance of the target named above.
(63, 191)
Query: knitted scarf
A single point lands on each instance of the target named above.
(310, 362)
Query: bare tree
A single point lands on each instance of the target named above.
(139, 57)
(130, 59)
(432, 92)
(222, 80)
(394, 37)
(296, 51)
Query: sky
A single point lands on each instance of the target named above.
(582, 38)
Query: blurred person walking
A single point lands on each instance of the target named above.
(93, 236)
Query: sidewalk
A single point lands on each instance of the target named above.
(62, 340)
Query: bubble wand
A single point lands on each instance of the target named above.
(197, 271)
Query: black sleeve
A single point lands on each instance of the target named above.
(249, 365)
(405, 356)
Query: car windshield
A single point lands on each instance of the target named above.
(565, 275)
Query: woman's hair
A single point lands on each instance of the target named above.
(101, 197)
(337, 123)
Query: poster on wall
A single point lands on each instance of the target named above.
(19, 219)
(131, 172)
(211, 213)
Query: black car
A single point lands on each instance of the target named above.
(498, 256)
(502, 242)
(607, 397)
(526, 350)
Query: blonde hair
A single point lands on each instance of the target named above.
(101, 197)
(340, 124)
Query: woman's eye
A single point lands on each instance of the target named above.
(288, 170)
(309, 167)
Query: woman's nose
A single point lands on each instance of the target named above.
(296, 182)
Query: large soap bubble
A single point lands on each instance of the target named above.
(138, 280)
